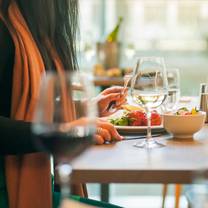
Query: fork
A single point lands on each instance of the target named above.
(127, 78)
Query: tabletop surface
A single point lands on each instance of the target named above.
(123, 163)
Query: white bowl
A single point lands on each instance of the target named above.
(183, 126)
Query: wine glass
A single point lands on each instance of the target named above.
(149, 89)
(64, 120)
(173, 76)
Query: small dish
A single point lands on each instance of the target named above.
(183, 126)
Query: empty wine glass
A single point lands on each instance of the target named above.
(149, 89)
(58, 128)
(173, 76)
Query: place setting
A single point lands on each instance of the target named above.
(155, 111)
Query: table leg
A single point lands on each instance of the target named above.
(105, 192)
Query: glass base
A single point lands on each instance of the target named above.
(149, 144)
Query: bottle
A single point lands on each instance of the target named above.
(204, 99)
(113, 36)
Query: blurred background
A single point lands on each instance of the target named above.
(174, 29)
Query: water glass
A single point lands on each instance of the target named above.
(173, 76)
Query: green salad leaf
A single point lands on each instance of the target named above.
(122, 121)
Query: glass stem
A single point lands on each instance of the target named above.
(65, 171)
(149, 133)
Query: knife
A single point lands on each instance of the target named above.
(139, 137)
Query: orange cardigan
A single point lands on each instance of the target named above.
(28, 176)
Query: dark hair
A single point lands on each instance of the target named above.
(55, 20)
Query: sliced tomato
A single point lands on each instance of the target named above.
(136, 123)
(139, 118)
(155, 119)
(144, 120)
(136, 118)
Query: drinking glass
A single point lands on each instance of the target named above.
(64, 97)
(149, 89)
(173, 76)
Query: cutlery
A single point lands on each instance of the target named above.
(127, 78)
(132, 138)
(139, 137)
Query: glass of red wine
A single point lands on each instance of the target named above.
(64, 120)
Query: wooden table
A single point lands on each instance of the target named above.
(123, 163)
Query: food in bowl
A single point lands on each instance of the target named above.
(185, 111)
(184, 123)
(136, 118)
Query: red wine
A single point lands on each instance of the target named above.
(63, 145)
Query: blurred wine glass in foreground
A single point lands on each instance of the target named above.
(55, 128)
(149, 89)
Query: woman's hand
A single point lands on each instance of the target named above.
(106, 132)
(115, 95)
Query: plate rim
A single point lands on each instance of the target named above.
(138, 127)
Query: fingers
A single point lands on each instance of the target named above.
(125, 91)
(116, 89)
(104, 134)
(116, 96)
(112, 97)
(120, 102)
(111, 129)
(110, 112)
(99, 139)
(114, 133)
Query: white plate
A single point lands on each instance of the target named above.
(139, 129)
(134, 129)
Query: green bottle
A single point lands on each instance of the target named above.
(113, 36)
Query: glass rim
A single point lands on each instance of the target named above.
(161, 58)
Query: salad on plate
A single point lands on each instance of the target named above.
(135, 117)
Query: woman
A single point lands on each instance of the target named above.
(35, 36)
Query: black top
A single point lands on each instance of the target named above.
(15, 136)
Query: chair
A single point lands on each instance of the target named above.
(178, 190)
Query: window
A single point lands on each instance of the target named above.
(175, 29)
